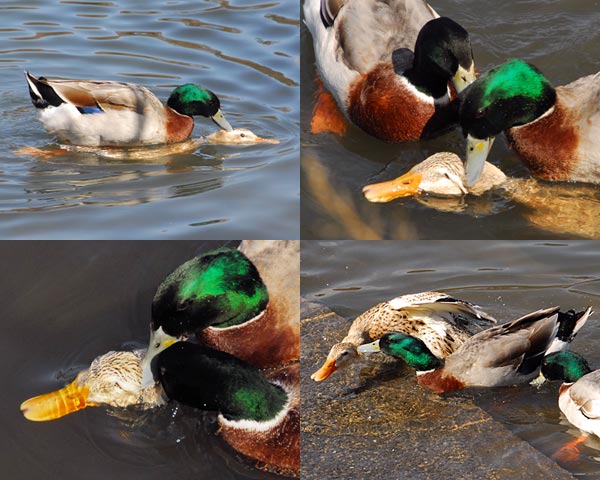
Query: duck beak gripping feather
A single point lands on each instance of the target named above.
(372, 347)
(403, 186)
(477, 152)
(463, 77)
(220, 120)
(159, 340)
(325, 371)
(53, 405)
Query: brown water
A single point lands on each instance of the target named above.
(507, 279)
(63, 304)
(560, 37)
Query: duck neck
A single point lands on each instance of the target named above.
(427, 83)
(255, 400)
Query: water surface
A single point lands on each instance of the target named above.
(247, 53)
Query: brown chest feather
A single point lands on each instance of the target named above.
(549, 146)
(179, 127)
(383, 107)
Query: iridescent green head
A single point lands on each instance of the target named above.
(512, 94)
(190, 100)
(566, 366)
(410, 349)
(221, 288)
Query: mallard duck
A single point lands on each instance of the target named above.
(364, 55)
(101, 113)
(579, 395)
(258, 411)
(508, 354)
(437, 318)
(554, 130)
(440, 174)
(114, 379)
(244, 304)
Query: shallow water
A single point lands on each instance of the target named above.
(247, 54)
(559, 37)
(64, 303)
(507, 279)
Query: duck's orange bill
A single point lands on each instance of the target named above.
(404, 186)
(322, 373)
(53, 405)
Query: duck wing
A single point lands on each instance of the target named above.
(370, 30)
(91, 96)
(508, 353)
(456, 311)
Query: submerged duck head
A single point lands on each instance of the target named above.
(221, 288)
(512, 94)
(190, 100)
(440, 174)
(238, 136)
(114, 379)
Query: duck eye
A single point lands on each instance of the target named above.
(480, 113)
(157, 344)
(344, 354)
(243, 135)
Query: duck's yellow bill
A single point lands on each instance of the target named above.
(327, 369)
(53, 405)
(404, 186)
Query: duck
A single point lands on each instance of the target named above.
(440, 174)
(388, 64)
(504, 355)
(113, 379)
(242, 301)
(258, 411)
(437, 318)
(554, 130)
(106, 113)
(578, 396)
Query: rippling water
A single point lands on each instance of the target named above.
(246, 53)
(507, 279)
(559, 37)
(65, 303)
